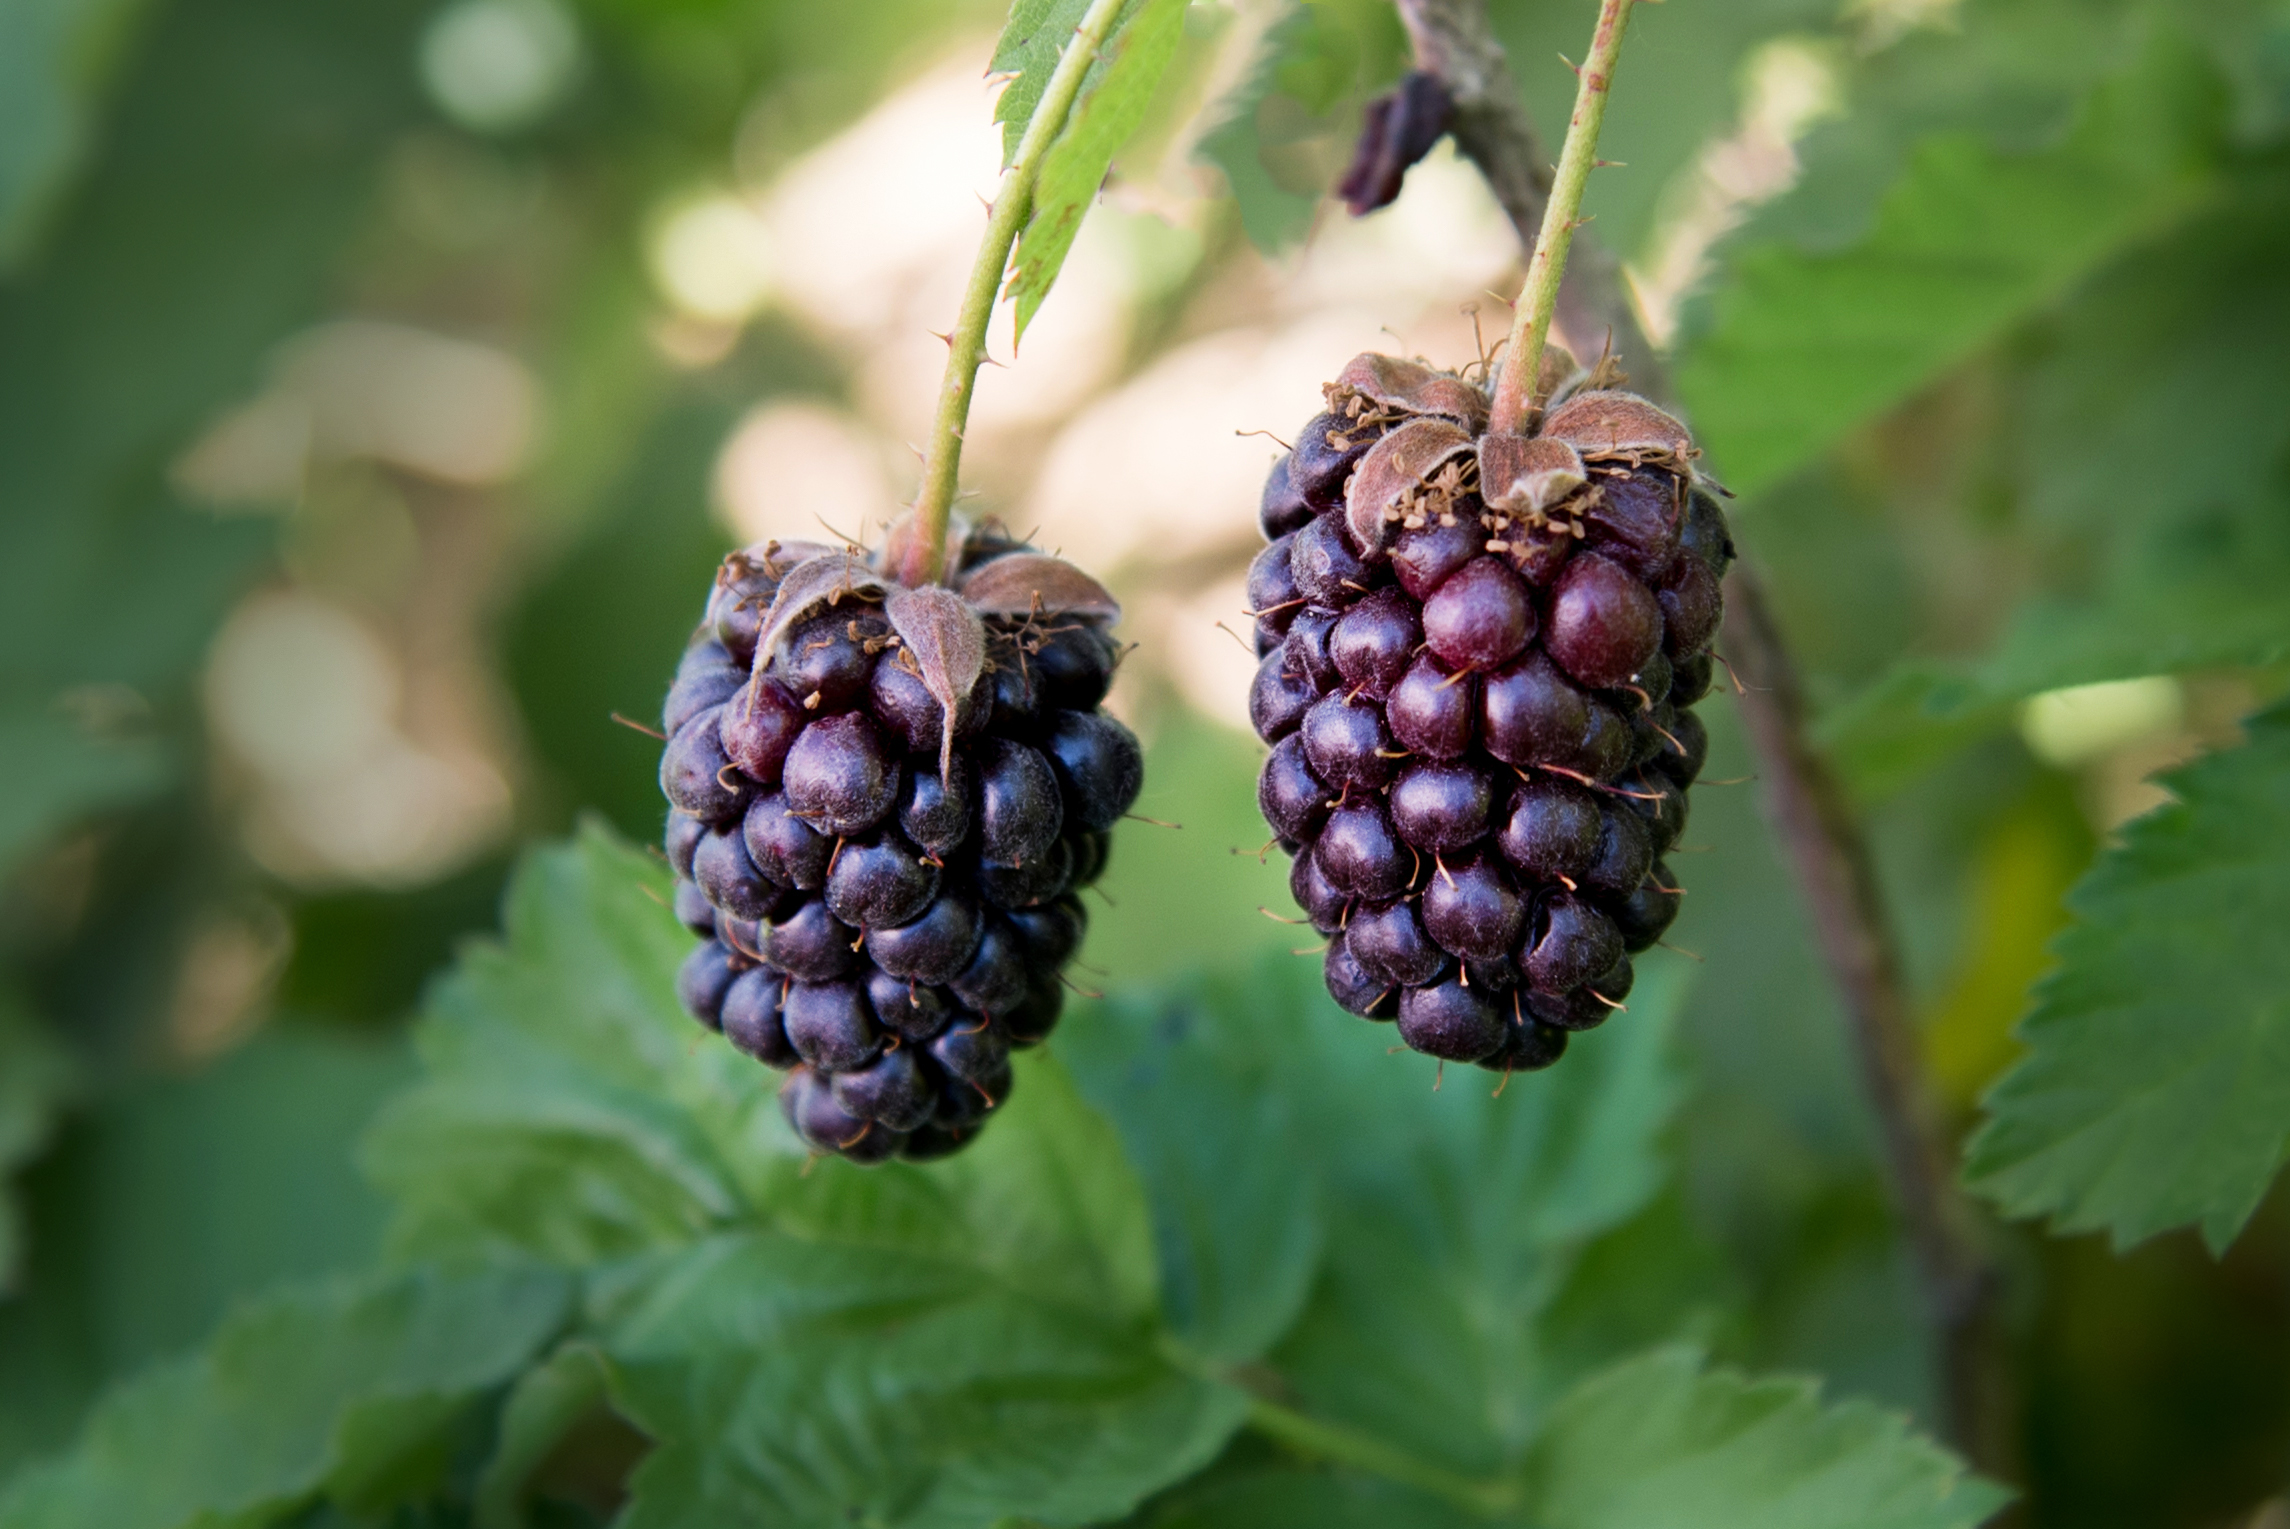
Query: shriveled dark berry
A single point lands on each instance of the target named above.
(1327, 449)
(707, 677)
(1553, 830)
(1473, 911)
(934, 809)
(825, 662)
(1422, 559)
(786, 849)
(911, 1010)
(1704, 535)
(1037, 881)
(1293, 799)
(1051, 933)
(1279, 697)
(752, 1021)
(760, 724)
(1573, 943)
(841, 775)
(1372, 644)
(934, 947)
(880, 882)
(1360, 855)
(1480, 617)
(1636, 516)
(1305, 650)
(1450, 1021)
(1099, 767)
(702, 981)
(811, 944)
(693, 910)
(1346, 743)
(1283, 508)
(1019, 812)
(1355, 989)
(1439, 805)
(893, 1090)
(1433, 711)
(1327, 571)
(1390, 944)
(697, 776)
(1604, 624)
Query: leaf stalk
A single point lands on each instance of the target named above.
(1338, 1445)
(924, 557)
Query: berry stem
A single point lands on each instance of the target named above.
(1338, 1445)
(1515, 402)
(924, 556)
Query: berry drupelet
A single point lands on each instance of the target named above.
(884, 802)
(1476, 655)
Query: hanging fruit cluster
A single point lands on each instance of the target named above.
(885, 800)
(1478, 654)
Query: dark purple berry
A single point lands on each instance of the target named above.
(934, 947)
(1273, 598)
(1091, 851)
(1692, 605)
(751, 1017)
(1373, 643)
(736, 606)
(786, 849)
(759, 727)
(1441, 806)
(934, 1141)
(1390, 945)
(1099, 767)
(1037, 881)
(1660, 803)
(1360, 855)
(1355, 990)
(1050, 933)
(1305, 650)
(1609, 742)
(1012, 703)
(1030, 1022)
(707, 677)
(1323, 902)
(1327, 449)
(1073, 668)
(903, 705)
(966, 1102)
(1705, 535)
(680, 839)
(1327, 571)
(892, 1091)
(1532, 714)
(1499, 974)
(703, 979)
(728, 876)
(1292, 798)
(1019, 812)
(1647, 913)
(1625, 854)
(693, 910)
(1450, 1021)
(1553, 830)
(1690, 678)
(841, 775)
(810, 944)
(697, 776)
(1573, 943)
(1433, 710)
(1635, 518)
(822, 1123)
(825, 662)
(1282, 509)
(1604, 624)
(1422, 559)
(1472, 910)
(1279, 698)
(972, 1053)
(1346, 744)
(879, 882)
(906, 1008)
(1532, 1047)
(995, 979)
(830, 1025)
(934, 810)
(1480, 617)
(1686, 750)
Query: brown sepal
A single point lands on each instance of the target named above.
(942, 633)
(1527, 475)
(1409, 387)
(817, 581)
(1607, 425)
(1395, 470)
(1026, 583)
(1558, 371)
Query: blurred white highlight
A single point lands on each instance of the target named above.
(497, 65)
(2072, 727)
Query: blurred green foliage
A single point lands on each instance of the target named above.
(2003, 380)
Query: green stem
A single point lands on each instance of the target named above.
(966, 346)
(1531, 323)
(1363, 1452)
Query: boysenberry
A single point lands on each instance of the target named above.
(1604, 624)
(841, 775)
(751, 1017)
(1355, 989)
(880, 882)
(1440, 805)
(1389, 943)
(909, 1009)
(697, 775)
(707, 677)
(1472, 910)
(934, 947)
(1346, 743)
(1024, 886)
(1371, 645)
(934, 810)
(1098, 765)
(1450, 1021)
(810, 944)
(1326, 569)
(759, 727)
(1432, 711)
(703, 980)
(893, 1090)
(728, 876)
(1019, 814)
(1293, 799)
(1480, 617)
(786, 849)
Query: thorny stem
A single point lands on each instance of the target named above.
(925, 556)
(1826, 844)
(1538, 300)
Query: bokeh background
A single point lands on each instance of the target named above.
(380, 383)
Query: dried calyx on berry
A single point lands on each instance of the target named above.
(885, 800)
(1477, 657)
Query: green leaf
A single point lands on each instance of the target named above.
(571, 1108)
(335, 1391)
(1298, 1499)
(1273, 213)
(56, 773)
(1032, 41)
(1659, 1443)
(791, 1382)
(2156, 1092)
(543, 1406)
(56, 57)
(1113, 99)
(35, 1076)
(1798, 346)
